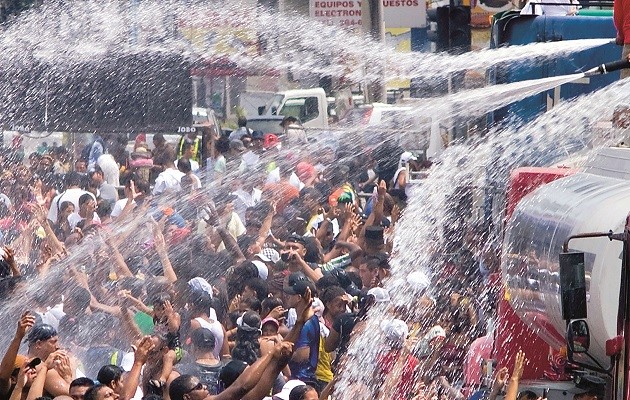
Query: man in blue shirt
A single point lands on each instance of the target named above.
(306, 354)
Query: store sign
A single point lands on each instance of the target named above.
(405, 13)
(347, 13)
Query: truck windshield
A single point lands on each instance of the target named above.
(302, 108)
(272, 107)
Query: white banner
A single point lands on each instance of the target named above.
(347, 13)
(405, 13)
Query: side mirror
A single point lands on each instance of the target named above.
(578, 336)
(274, 110)
(572, 286)
(261, 110)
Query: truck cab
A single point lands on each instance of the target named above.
(310, 106)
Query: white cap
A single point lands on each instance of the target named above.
(380, 295)
(263, 271)
(434, 333)
(395, 330)
(269, 255)
(407, 156)
(200, 284)
(418, 280)
(287, 388)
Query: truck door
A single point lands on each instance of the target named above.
(308, 109)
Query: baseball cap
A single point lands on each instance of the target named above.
(258, 135)
(287, 388)
(380, 295)
(250, 321)
(296, 277)
(39, 333)
(263, 271)
(408, 156)
(418, 280)
(296, 239)
(271, 140)
(300, 287)
(437, 332)
(269, 255)
(203, 337)
(395, 330)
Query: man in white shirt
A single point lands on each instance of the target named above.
(107, 192)
(169, 180)
(187, 150)
(73, 192)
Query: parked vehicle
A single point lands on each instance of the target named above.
(310, 106)
(266, 124)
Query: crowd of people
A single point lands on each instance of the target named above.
(227, 267)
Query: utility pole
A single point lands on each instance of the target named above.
(373, 24)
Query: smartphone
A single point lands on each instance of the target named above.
(545, 393)
(34, 362)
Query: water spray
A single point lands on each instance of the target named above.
(608, 67)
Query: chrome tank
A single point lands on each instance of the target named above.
(541, 222)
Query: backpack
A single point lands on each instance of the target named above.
(85, 152)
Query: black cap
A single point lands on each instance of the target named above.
(258, 135)
(231, 371)
(300, 287)
(296, 239)
(296, 277)
(203, 338)
(39, 333)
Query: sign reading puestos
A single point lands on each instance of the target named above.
(397, 13)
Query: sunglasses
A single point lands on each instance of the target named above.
(199, 386)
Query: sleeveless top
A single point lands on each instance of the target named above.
(217, 330)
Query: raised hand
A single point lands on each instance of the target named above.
(168, 309)
(26, 375)
(500, 379)
(27, 320)
(348, 210)
(303, 308)
(382, 188)
(518, 365)
(63, 367)
(277, 313)
(132, 194)
(396, 213)
(142, 350)
(39, 213)
(234, 304)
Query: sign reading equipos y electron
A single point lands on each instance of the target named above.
(347, 13)
(405, 13)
